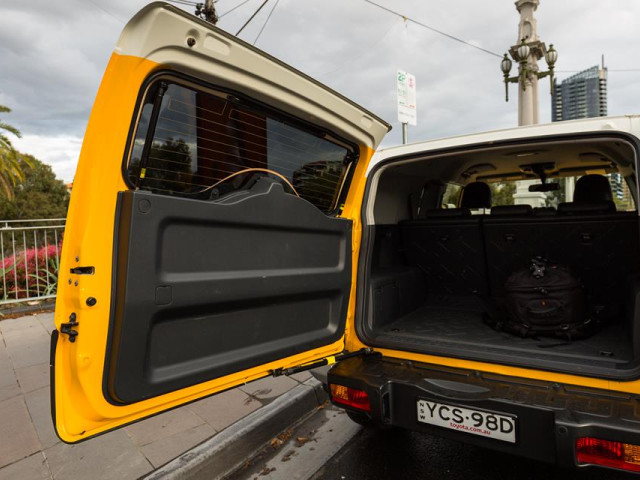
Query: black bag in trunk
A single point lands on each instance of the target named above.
(545, 300)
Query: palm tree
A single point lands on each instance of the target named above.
(11, 163)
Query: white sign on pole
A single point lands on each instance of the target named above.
(407, 109)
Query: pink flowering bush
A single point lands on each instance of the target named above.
(22, 280)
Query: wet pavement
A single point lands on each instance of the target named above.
(329, 446)
(373, 454)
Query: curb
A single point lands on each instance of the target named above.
(228, 450)
(24, 308)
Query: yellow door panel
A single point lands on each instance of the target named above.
(213, 230)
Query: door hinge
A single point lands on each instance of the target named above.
(325, 361)
(67, 328)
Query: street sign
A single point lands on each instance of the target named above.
(407, 110)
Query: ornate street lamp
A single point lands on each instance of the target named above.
(523, 51)
(520, 53)
(551, 56)
(505, 66)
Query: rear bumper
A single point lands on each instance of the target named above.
(550, 416)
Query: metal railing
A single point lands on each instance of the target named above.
(30, 259)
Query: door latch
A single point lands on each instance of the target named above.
(67, 328)
(83, 270)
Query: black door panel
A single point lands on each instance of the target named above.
(204, 289)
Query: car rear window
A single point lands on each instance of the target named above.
(502, 193)
(201, 143)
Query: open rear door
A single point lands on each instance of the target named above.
(210, 237)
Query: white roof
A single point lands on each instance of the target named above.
(623, 123)
(162, 34)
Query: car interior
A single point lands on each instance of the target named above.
(444, 231)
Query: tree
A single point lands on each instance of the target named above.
(170, 166)
(39, 194)
(11, 166)
(502, 193)
(451, 195)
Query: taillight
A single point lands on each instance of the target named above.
(350, 396)
(624, 456)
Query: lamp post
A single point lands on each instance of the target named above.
(523, 51)
(526, 54)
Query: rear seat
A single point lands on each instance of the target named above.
(599, 244)
(544, 211)
(448, 247)
(449, 250)
(601, 248)
(510, 210)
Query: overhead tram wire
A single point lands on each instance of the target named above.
(187, 3)
(361, 56)
(265, 22)
(234, 8)
(252, 17)
(106, 11)
(615, 70)
(448, 35)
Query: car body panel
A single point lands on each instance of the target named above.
(157, 39)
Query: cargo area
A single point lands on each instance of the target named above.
(445, 232)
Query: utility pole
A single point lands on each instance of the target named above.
(207, 11)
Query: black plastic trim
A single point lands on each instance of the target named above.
(112, 302)
(367, 249)
(52, 395)
(550, 416)
(307, 284)
(52, 377)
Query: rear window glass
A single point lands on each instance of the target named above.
(506, 192)
(205, 144)
(451, 195)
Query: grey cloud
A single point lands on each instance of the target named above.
(53, 54)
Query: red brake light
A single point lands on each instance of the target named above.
(351, 397)
(596, 451)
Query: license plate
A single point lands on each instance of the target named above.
(476, 422)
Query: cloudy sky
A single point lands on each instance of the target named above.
(53, 54)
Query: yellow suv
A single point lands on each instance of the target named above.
(229, 220)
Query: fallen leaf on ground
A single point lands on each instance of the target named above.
(288, 455)
(275, 442)
(266, 470)
(280, 439)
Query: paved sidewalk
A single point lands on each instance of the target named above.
(29, 448)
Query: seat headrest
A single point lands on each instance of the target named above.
(511, 210)
(448, 212)
(572, 208)
(544, 211)
(476, 195)
(592, 188)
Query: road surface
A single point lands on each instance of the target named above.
(329, 446)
